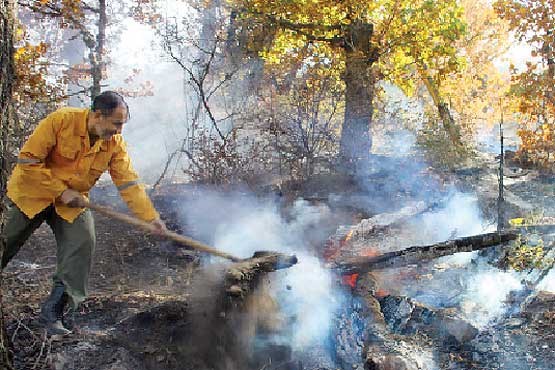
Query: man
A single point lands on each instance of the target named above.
(57, 166)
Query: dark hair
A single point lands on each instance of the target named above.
(107, 102)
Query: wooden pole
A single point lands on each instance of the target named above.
(501, 199)
(166, 234)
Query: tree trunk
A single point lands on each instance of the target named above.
(356, 141)
(443, 109)
(6, 89)
(548, 55)
(244, 41)
(96, 54)
(210, 26)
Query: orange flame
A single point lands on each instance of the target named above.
(333, 247)
(349, 236)
(350, 280)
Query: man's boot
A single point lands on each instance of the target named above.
(52, 311)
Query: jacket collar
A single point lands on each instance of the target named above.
(81, 126)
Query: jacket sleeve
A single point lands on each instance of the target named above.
(127, 181)
(32, 158)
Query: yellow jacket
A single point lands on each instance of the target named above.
(58, 156)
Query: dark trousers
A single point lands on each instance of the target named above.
(75, 246)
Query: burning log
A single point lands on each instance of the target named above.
(418, 254)
(363, 337)
(380, 326)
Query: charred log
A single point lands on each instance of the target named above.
(375, 333)
(243, 277)
(338, 244)
(364, 339)
(407, 317)
(359, 323)
(419, 254)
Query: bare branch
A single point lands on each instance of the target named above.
(305, 28)
(227, 78)
(164, 171)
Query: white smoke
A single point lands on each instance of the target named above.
(251, 230)
(548, 283)
(477, 288)
(241, 224)
(311, 300)
(483, 289)
(486, 293)
(158, 121)
(461, 216)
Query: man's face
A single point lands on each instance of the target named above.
(106, 126)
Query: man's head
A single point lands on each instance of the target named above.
(108, 114)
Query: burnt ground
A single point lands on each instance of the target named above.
(138, 314)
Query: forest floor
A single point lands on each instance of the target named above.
(121, 326)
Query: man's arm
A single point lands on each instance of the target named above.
(32, 158)
(131, 190)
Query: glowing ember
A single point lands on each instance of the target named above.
(348, 236)
(350, 280)
(333, 247)
(380, 293)
(370, 252)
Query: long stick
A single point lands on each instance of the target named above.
(166, 234)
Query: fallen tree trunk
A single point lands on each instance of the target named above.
(418, 254)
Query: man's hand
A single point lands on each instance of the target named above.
(72, 198)
(159, 227)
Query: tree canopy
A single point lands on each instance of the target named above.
(362, 43)
(533, 23)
